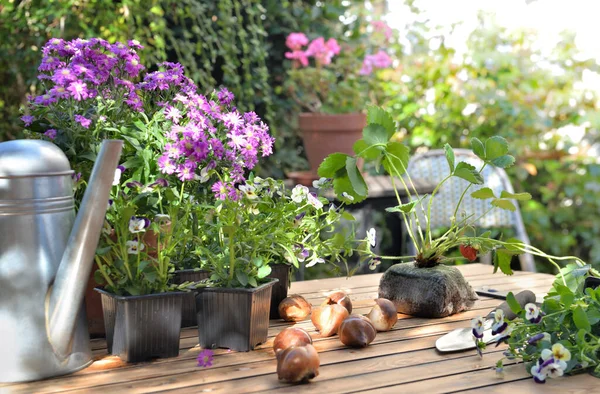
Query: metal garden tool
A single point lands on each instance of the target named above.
(46, 255)
(462, 338)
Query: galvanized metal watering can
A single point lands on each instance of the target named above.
(46, 255)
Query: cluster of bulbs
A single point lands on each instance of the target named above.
(297, 359)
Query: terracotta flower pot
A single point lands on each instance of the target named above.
(324, 134)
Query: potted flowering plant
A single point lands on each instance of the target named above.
(422, 285)
(93, 92)
(142, 310)
(558, 338)
(331, 84)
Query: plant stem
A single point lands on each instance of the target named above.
(465, 192)
(428, 232)
(230, 232)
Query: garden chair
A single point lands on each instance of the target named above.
(434, 167)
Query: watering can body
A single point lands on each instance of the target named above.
(46, 254)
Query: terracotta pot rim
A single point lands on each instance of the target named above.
(322, 115)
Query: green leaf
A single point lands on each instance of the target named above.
(348, 216)
(483, 193)
(515, 196)
(332, 164)
(242, 277)
(98, 277)
(375, 134)
(450, 156)
(495, 147)
(263, 271)
(581, 319)
(503, 161)
(356, 179)
(504, 257)
(379, 116)
(396, 156)
(593, 316)
(252, 281)
(512, 245)
(362, 149)
(406, 208)
(478, 148)
(513, 303)
(469, 173)
(504, 204)
(341, 184)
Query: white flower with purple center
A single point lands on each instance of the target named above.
(321, 182)
(477, 326)
(533, 313)
(299, 193)
(302, 253)
(499, 325)
(118, 172)
(375, 261)
(372, 237)
(315, 261)
(134, 247)
(138, 224)
(249, 191)
(314, 200)
(539, 376)
(347, 196)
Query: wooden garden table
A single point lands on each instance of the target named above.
(403, 360)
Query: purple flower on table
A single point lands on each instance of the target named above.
(50, 133)
(477, 326)
(166, 164)
(27, 119)
(205, 358)
(83, 121)
(78, 90)
(138, 224)
(225, 96)
(220, 190)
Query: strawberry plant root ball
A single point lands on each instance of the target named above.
(437, 291)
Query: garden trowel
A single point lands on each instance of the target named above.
(462, 338)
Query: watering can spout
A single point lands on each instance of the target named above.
(67, 291)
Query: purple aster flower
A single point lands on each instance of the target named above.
(28, 119)
(173, 114)
(232, 120)
(135, 44)
(205, 358)
(225, 96)
(166, 164)
(63, 76)
(232, 193)
(45, 99)
(50, 133)
(134, 101)
(237, 173)
(132, 65)
(59, 92)
(78, 90)
(200, 151)
(220, 190)
(185, 172)
(50, 63)
(83, 121)
(217, 148)
(251, 117)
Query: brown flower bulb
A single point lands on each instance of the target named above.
(294, 308)
(339, 297)
(297, 364)
(383, 315)
(327, 318)
(357, 331)
(291, 336)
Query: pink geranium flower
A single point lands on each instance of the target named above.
(299, 55)
(295, 41)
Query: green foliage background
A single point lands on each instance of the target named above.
(241, 44)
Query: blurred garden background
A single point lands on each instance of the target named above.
(456, 72)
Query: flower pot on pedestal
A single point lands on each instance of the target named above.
(139, 328)
(234, 318)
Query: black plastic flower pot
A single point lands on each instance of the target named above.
(280, 289)
(188, 306)
(237, 319)
(139, 328)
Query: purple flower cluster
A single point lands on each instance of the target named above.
(80, 70)
(208, 134)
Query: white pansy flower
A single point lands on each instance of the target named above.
(372, 237)
(299, 193)
(314, 201)
(134, 247)
(347, 196)
(320, 183)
